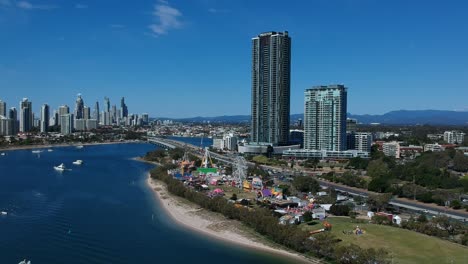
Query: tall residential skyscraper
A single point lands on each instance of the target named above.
(79, 107)
(96, 111)
(26, 116)
(113, 114)
(325, 118)
(44, 118)
(107, 104)
(64, 109)
(13, 114)
(3, 109)
(66, 121)
(86, 112)
(271, 68)
(123, 108)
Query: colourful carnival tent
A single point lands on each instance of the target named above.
(218, 191)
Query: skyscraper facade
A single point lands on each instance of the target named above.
(123, 108)
(3, 109)
(325, 118)
(271, 68)
(63, 110)
(66, 121)
(79, 108)
(86, 112)
(44, 123)
(107, 104)
(26, 116)
(96, 111)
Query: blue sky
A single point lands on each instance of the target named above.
(180, 58)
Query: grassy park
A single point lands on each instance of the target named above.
(403, 245)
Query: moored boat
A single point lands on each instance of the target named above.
(60, 167)
(78, 162)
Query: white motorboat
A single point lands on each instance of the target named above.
(25, 262)
(4, 213)
(78, 162)
(2, 154)
(79, 146)
(50, 150)
(60, 167)
(36, 151)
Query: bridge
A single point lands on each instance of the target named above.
(160, 142)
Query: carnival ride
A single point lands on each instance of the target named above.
(240, 171)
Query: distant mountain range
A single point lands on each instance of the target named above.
(400, 117)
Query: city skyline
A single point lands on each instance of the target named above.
(132, 49)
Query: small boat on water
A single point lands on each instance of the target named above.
(2, 154)
(25, 262)
(50, 150)
(60, 167)
(3, 213)
(78, 162)
(37, 151)
(79, 146)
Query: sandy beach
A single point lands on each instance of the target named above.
(215, 225)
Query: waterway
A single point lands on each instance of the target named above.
(99, 212)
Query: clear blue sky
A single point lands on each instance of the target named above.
(181, 58)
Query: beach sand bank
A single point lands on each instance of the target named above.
(215, 225)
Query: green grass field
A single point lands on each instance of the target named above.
(405, 246)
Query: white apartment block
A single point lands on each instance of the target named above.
(454, 137)
(391, 149)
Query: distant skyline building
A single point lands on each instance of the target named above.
(63, 110)
(66, 121)
(44, 122)
(3, 109)
(325, 118)
(26, 116)
(271, 68)
(96, 111)
(79, 107)
(107, 104)
(114, 114)
(86, 112)
(13, 114)
(123, 108)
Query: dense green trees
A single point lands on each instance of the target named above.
(306, 184)
(340, 209)
(358, 163)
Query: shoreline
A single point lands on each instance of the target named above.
(193, 217)
(28, 147)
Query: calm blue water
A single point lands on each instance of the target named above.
(100, 212)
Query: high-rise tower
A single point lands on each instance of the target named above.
(271, 68)
(44, 118)
(26, 116)
(325, 118)
(79, 108)
(123, 108)
(3, 110)
(96, 111)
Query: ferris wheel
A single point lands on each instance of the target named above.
(240, 171)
